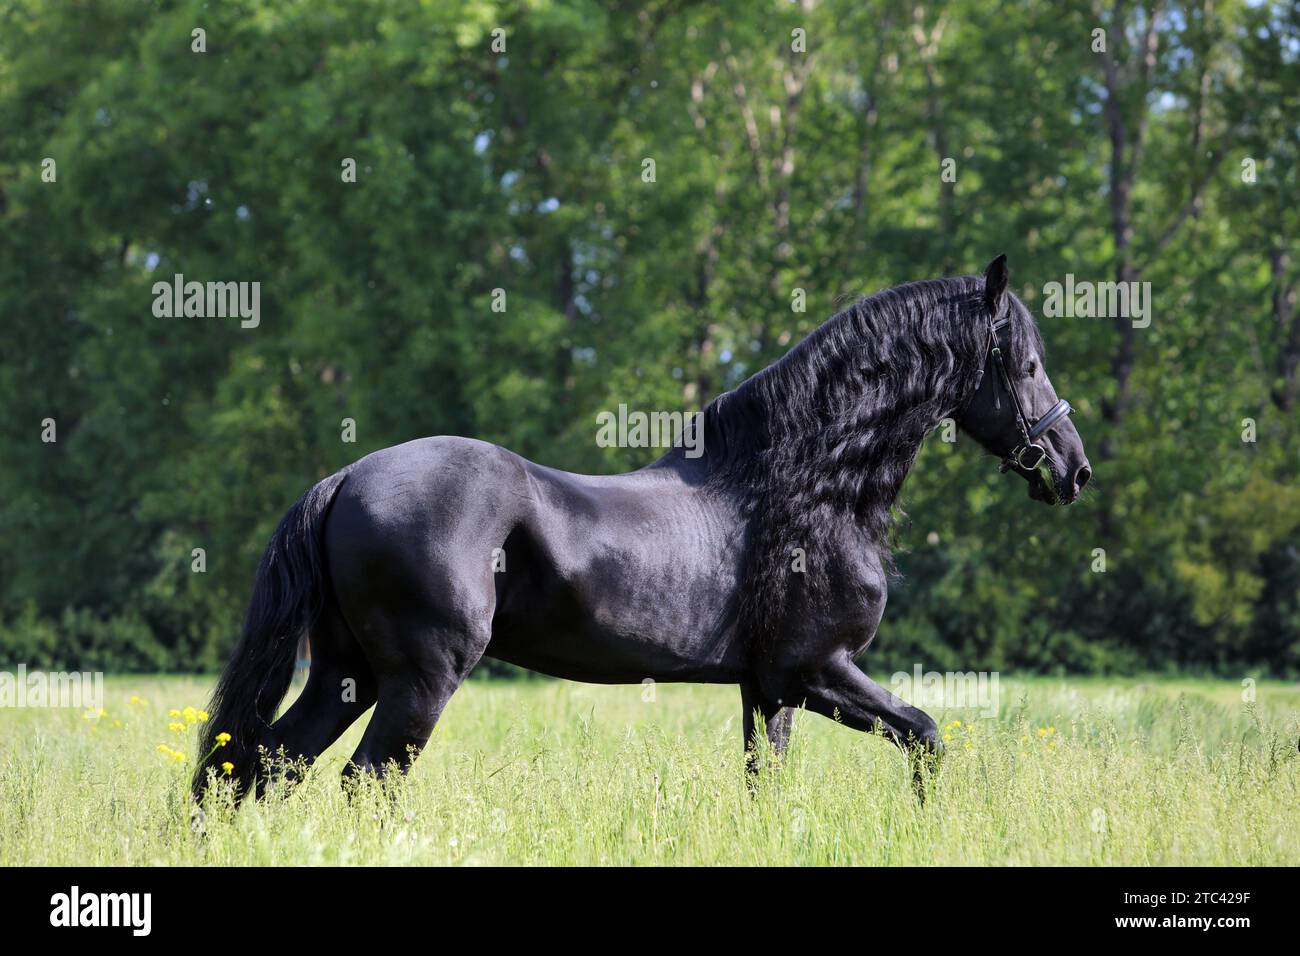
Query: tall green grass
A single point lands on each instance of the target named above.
(1070, 772)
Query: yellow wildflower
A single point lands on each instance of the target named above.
(228, 767)
(176, 727)
(173, 754)
(222, 739)
(173, 712)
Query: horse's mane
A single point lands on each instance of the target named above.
(830, 431)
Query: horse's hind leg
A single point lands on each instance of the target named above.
(340, 688)
(413, 690)
(410, 542)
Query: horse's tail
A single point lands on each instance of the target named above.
(287, 597)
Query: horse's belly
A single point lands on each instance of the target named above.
(619, 633)
(614, 662)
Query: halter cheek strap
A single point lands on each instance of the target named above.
(1028, 454)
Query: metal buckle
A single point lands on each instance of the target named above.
(1027, 450)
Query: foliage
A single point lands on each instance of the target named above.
(775, 171)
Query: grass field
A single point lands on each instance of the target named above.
(1094, 771)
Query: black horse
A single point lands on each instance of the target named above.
(761, 563)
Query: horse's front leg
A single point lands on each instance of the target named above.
(838, 689)
(776, 723)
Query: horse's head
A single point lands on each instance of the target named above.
(1014, 411)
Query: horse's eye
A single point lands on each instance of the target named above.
(1033, 367)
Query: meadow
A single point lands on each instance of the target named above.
(1144, 772)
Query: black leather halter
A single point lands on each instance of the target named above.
(1028, 454)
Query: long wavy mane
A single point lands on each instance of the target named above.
(828, 433)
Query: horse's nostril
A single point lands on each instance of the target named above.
(1081, 477)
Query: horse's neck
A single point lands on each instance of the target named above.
(888, 435)
(836, 427)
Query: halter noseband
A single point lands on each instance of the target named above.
(1028, 454)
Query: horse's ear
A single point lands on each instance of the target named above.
(995, 284)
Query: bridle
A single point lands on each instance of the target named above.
(1028, 454)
